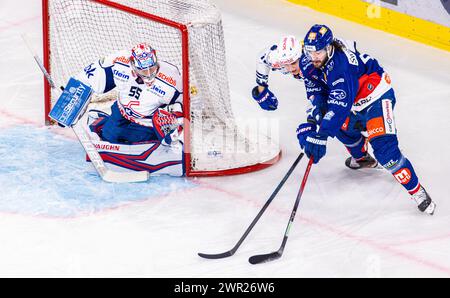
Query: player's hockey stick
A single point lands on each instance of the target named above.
(257, 259)
(97, 161)
(231, 252)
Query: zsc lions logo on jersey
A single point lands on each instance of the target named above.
(338, 94)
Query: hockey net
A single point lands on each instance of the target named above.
(186, 33)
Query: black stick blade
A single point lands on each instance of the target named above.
(216, 256)
(258, 259)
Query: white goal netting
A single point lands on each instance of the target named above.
(82, 31)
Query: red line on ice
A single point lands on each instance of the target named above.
(19, 23)
(369, 242)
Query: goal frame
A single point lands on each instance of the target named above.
(186, 94)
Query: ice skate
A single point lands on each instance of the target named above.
(367, 161)
(424, 202)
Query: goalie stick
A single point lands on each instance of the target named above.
(258, 259)
(106, 174)
(232, 251)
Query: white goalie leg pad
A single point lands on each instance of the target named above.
(152, 156)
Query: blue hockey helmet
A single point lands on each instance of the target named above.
(318, 38)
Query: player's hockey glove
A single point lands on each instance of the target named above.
(166, 126)
(266, 99)
(316, 145)
(314, 114)
(304, 130)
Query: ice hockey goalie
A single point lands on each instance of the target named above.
(143, 132)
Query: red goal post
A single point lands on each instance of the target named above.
(186, 33)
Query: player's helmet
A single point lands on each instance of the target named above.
(144, 62)
(288, 51)
(319, 37)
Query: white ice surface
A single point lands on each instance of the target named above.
(58, 219)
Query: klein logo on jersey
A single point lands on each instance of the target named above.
(121, 75)
(167, 79)
(158, 90)
(338, 94)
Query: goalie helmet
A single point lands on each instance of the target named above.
(144, 62)
(289, 50)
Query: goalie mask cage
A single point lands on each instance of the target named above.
(186, 33)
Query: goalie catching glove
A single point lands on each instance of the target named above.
(166, 126)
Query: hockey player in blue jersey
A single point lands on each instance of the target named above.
(350, 98)
(355, 94)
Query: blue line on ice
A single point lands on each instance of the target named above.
(45, 174)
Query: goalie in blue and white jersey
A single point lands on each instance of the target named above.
(149, 102)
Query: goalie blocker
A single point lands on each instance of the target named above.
(72, 103)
